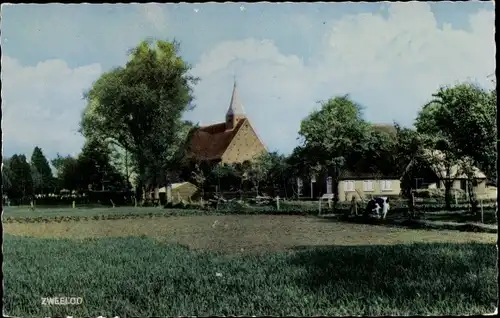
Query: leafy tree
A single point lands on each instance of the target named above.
(462, 119)
(259, 170)
(332, 133)
(122, 161)
(42, 172)
(466, 116)
(140, 107)
(20, 177)
(68, 172)
(6, 176)
(95, 169)
(222, 175)
(376, 153)
(36, 176)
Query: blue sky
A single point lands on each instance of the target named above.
(390, 57)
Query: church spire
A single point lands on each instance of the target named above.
(235, 111)
(236, 107)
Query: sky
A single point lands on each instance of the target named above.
(389, 57)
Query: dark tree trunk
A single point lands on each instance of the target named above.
(472, 196)
(447, 194)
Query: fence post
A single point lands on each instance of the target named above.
(278, 202)
(319, 206)
(482, 212)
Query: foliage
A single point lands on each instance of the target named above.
(68, 174)
(466, 116)
(376, 153)
(140, 106)
(332, 134)
(334, 130)
(461, 122)
(19, 177)
(42, 172)
(95, 168)
(7, 176)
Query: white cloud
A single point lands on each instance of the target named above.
(42, 104)
(390, 65)
(155, 14)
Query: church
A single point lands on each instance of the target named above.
(231, 141)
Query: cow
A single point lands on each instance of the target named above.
(378, 206)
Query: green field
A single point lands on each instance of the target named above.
(245, 265)
(143, 277)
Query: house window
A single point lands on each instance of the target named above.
(349, 185)
(463, 184)
(386, 185)
(367, 185)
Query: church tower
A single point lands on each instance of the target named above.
(235, 113)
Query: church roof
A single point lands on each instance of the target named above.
(236, 106)
(210, 142)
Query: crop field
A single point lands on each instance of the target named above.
(245, 265)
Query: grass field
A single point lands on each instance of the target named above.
(245, 265)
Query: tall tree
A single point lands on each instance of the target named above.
(463, 119)
(6, 176)
(140, 106)
(465, 115)
(95, 168)
(332, 133)
(42, 172)
(21, 179)
(68, 174)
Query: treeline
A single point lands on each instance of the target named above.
(90, 172)
(135, 133)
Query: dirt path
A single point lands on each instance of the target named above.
(233, 233)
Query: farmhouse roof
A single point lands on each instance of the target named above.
(385, 128)
(210, 142)
(349, 174)
(435, 158)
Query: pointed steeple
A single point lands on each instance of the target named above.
(236, 107)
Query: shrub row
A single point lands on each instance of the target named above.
(185, 212)
(286, 206)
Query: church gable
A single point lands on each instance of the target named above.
(211, 142)
(232, 141)
(246, 145)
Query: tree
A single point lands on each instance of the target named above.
(463, 118)
(140, 107)
(68, 172)
(259, 170)
(332, 133)
(122, 161)
(376, 154)
(42, 172)
(95, 169)
(6, 176)
(410, 150)
(36, 176)
(20, 177)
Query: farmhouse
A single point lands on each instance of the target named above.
(232, 141)
(351, 184)
(365, 186)
(433, 175)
